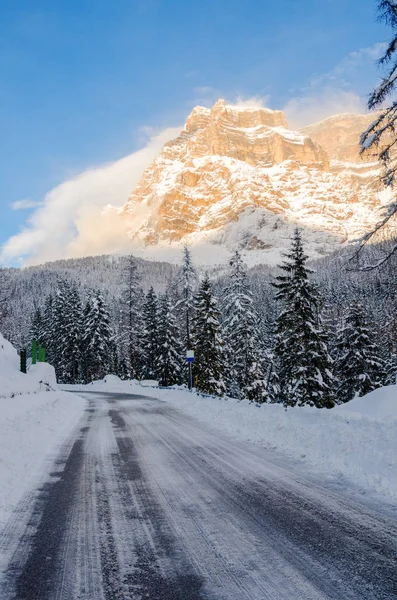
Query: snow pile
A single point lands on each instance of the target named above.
(112, 379)
(40, 377)
(357, 441)
(11, 380)
(43, 374)
(351, 445)
(379, 404)
(35, 420)
(32, 429)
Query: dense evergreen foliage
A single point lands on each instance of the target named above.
(186, 285)
(4, 294)
(96, 339)
(208, 343)
(245, 372)
(379, 140)
(131, 329)
(273, 344)
(304, 363)
(150, 336)
(359, 367)
(68, 332)
(170, 356)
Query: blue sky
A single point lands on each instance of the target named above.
(86, 82)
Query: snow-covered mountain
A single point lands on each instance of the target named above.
(239, 177)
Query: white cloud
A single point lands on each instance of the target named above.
(372, 52)
(75, 217)
(25, 204)
(328, 101)
(251, 102)
(334, 92)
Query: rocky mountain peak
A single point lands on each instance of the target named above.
(239, 177)
(256, 136)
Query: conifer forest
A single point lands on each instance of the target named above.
(306, 333)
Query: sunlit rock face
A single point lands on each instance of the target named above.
(257, 137)
(339, 136)
(239, 177)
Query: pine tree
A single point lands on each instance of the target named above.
(48, 330)
(359, 366)
(67, 333)
(131, 318)
(150, 336)
(85, 350)
(304, 364)
(208, 343)
(272, 379)
(385, 123)
(37, 328)
(187, 283)
(170, 348)
(4, 294)
(245, 374)
(97, 338)
(390, 369)
(379, 140)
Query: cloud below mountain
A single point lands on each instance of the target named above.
(75, 217)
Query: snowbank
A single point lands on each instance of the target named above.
(36, 418)
(350, 445)
(40, 377)
(357, 441)
(380, 404)
(32, 429)
(11, 380)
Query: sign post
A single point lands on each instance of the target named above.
(23, 361)
(190, 361)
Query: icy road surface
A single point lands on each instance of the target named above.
(148, 503)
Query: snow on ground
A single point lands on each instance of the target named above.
(357, 441)
(40, 377)
(36, 418)
(379, 404)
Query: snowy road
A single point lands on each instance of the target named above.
(148, 503)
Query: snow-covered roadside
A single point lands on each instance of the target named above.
(36, 418)
(357, 440)
(32, 429)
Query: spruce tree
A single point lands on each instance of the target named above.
(379, 139)
(131, 318)
(245, 373)
(390, 370)
(72, 347)
(48, 330)
(208, 342)
(67, 332)
(150, 335)
(359, 366)
(37, 327)
(85, 351)
(97, 338)
(170, 349)
(381, 134)
(187, 283)
(4, 295)
(272, 379)
(304, 364)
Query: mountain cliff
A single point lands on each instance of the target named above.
(239, 177)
